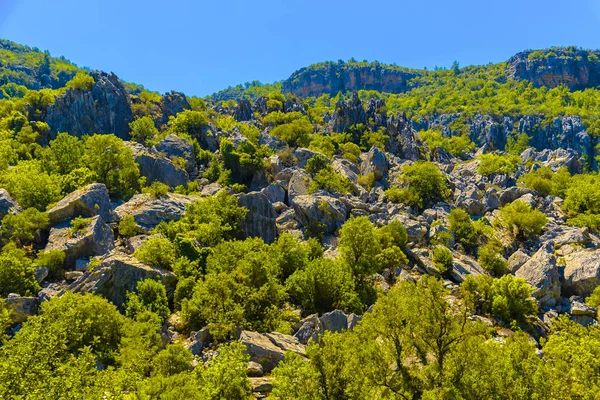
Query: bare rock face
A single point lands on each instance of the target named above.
(574, 68)
(94, 239)
(268, 349)
(161, 169)
(175, 147)
(88, 201)
(329, 211)
(21, 307)
(582, 273)
(348, 113)
(375, 162)
(117, 274)
(403, 139)
(8, 204)
(331, 78)
(148, 211)
(541, 273)
(260, 218)
(104, 109)
(171, 104)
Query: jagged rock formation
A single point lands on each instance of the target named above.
(574, 68)
(331, 78)
(104, 109)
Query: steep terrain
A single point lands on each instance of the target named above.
(357, 231)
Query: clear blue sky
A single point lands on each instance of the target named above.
(200, 47)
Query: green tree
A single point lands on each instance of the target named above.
(30, 186)
(157, 251)
(81, 81)
(22, 227)
(295, 133)
(520, 220)
(143, 129)
(443, 259)
(16, 272)
(112, 162)
(464, 232)
(422, 185)
(150, 295)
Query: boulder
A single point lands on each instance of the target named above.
(269, 349)
(94, 239)
(261, 385)
(148, 211)
(8, 204)
(173, 146)
(375, 162)
(516, 260)
(329, 211)
(333, 321)
(416, 229)
(172, 103)
(157, 168)
(541, 273)
(106, 109)
(275, 193)
(88, 201)
(21, 307)
(298, 185)
(254, 369)
(260, 218)
(117, 274)
(581, 273)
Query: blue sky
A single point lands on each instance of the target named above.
(200, 47)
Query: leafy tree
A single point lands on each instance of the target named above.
(458, 146)
(296, 379)
(64, 154)
(16, 272)
(112, 162)
(156, 251)
(174, 359)
(520, 221)
(53, 260)
(295, 133)
(150, 295)
(464, 232)
(442, 259)
(226, 378)
(490, 258)
(143, 129)
(81, 81)
(22, 227)
(498, 164)
(30, 186)
(128, 226)
(422, 185)
(322, 286)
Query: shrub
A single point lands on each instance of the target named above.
(460, 223)
(490, 258)
(81, 81)
(295, 133)
(593, 300)
(455, 145)
(79, 226)
(173, 360)
(143, 129)
(508, 297)
(16, 272)
(442, 259)
(156, 251)
(22, 227)
(150, 295)
(329, 180)
(53, 260)
(520, 221)
(350, 151)
(539, 180)
(422, 185)
(30, 186)
(157, 189)
(498, 164)
(127, 226)
(367, 181)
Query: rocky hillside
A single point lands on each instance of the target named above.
(359, 231)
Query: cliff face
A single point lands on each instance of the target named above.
(331, 78)
(574, 68)
(104, 109)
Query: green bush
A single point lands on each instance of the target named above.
(442, 259)
(143, 129)
(329, 180)
(150, 295)
(593, 300)
(460, 223)
(158, 252)
(81, 81)
(422, 185)
(173, 360)
(490, 258)
(30, 186)
(458, 146)
(520, 221)
(295, 133)
(22, 227)
(492, 164)
(53, 260)
(127, 226)
(16, 272)
(157, 189)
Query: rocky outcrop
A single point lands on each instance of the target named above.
(171, 104)
(572, 67)
(21, 307)
(93, 239)
(348, 113)
(325, 210)
(268, 349)
(161, 169)
(174, 147)
(582, 273)
(375, 162)
(540, 272)
(243, 110)
(260, 218)
(331, 78)
(148, 211)
(8, 204)
(118, 274)
(88, 201)
(334, 321)
(403, 139)
(104, 109)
